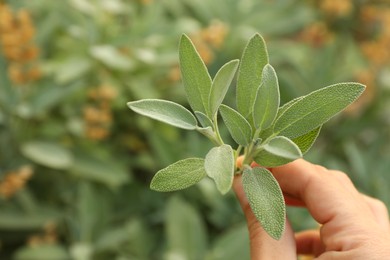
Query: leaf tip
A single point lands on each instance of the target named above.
(184, 37)
(129, 104)
(258, 36)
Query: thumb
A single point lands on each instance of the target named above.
(262, 246)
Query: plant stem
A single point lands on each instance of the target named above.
(216, 130)
(257, 133)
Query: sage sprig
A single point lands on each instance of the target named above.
(264, 131)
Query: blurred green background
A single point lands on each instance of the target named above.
(75, 162)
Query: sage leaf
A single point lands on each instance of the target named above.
(49, 154)
(209, 133)
(165, 111)
(233, 244)
(204, 120)
(237, 125)
(286, 106)
(267, 99)
(266, 133)
(254, 58)
(265, 199)
(220, 85)
(44, 251)
(186, 236)
(219, 165)
(278, 151)
(316, 108)
(179, 175)
(196, 79)
(306, 141)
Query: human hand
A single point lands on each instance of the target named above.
(354, 226)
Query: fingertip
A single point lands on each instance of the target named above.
(239, 161)
(311, 184)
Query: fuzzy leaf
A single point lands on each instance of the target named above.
(254, 58)
(165, 111)
(179, 175)
(186, 236)
(286, 106)
(239, 128)
(208, 132)
(316, 108)
(220, 85)
(266, 200)
(49, 154)
(204, 120)
(278, 151)
(306, 141)
(112, 57)
(196, 79)
(232, 244)
(219, 165)
(269, 131)
(267, 99)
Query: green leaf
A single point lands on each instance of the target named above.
(112, 57)
(278, 151)
(208, 132)
(316, 108)
(286, 106)
(49, 154)
(267, 99)
(265, 199)
(219, 165)
(196, 79)
(186, 235)
(108, 171)
(49, 96)
(269, 131)
(19, 221)
(239, 128)
(253, 60)
(220, 85)
(204, 120)
(180, 175)
(42, 251)
(232, 245)
(305, 142)
(70, 69)
(165, 111)
(8, 94)
(133, 234)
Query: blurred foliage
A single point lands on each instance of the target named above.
(75, 163)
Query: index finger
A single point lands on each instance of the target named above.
(325, 193)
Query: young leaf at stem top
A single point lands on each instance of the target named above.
(316, 108)
(239, 128)
(265, 199)
(220, 85)
(196, 79)
(267, 99)
(204, 120)
(219, 165)
(253, 60)
(165, 111)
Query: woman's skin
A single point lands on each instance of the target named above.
(353, 225)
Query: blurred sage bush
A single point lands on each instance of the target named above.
(75, 164)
